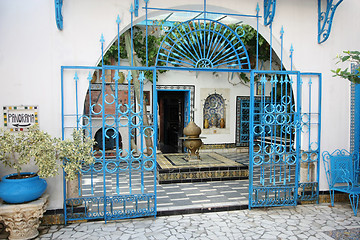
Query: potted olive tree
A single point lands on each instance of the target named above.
(47, 153)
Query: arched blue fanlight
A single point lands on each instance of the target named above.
(203, 43)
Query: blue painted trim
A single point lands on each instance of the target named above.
(355, 114)
(204, 69)
(155, 129)
(62, 137)
(58, 14)
(148, 22)
(108, 67)
(132, 34)
(298, 135)
(291, 57)
(357, 118)
(257, 36)
(251, 139)
(269, 11)
(187, 104)
(195, 11)
(282, 46)
(325, 19)
(118, 37)
(146, 32)
(271, 49)
(136, 10)
(76, 78)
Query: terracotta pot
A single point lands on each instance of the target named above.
(222, 123)
(206, 123)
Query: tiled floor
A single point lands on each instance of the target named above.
(175, 168)
(202, 195)
(182, 196)
(205, 199)
(206, 195)
(311, 222)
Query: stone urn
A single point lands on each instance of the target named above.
(192, 141)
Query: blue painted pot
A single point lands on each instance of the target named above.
(21, 190)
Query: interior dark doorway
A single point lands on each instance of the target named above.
(171, 120)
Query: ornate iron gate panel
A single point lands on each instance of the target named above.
(243, 118)
(274, 140)
(284, 138)
(310, 120)
(122, 181)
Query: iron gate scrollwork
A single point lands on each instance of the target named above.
(284, 132)
(284, 142)
(203, 43)
(122, 181)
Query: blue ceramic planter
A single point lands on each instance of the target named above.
(21, 190)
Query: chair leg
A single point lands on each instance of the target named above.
(354, 201)
(332, 197)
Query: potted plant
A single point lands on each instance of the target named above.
(47, 153)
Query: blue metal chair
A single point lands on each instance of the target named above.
(342, 173)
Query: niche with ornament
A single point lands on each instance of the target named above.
(214, 111)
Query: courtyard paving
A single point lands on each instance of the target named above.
(300, 222)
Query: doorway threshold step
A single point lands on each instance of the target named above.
(174, 168)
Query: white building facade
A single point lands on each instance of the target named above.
(33, 50)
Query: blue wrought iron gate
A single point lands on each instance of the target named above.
(284, 133)
(122, 181)
(284, 138)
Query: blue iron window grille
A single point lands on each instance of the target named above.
(243, 118)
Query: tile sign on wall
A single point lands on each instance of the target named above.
(20, 118)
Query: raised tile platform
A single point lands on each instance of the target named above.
(173, 168)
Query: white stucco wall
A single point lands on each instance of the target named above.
(32, 51)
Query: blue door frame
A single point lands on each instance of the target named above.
(187, 104)
(187, 107)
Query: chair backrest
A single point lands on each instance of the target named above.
(340, 167)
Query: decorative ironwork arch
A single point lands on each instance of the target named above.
(203, 43)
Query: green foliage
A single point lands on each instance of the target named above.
(249, 40)
(349, 56)
(19, 148)
(77, 153)
(139, 44)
